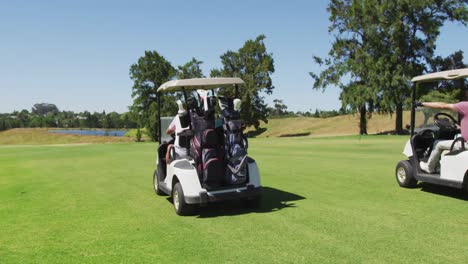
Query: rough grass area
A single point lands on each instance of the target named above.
(327, 200)
(333, 126)
(40, 136)
(133, 132)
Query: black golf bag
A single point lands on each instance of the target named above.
(235, 143)
(205, 149)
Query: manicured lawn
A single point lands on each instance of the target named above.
(326, 200)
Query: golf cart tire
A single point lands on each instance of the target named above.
(157, 189)
(178, 199)
(404, 174)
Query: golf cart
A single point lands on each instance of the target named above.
(453, 169)
(216, 166)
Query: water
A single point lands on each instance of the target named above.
(91, 132)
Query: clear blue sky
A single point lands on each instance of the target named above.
(76, 54)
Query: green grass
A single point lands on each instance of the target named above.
(327, 200)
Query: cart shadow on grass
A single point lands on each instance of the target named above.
(272, 200)
(450, 192)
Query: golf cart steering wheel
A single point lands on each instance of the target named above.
(445, 121)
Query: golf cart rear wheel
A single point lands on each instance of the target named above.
(404, 174)
(178, 199)
(156, 179)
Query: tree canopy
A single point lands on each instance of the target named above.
(379, 45)
(44, 109)
(148, 74)
(253, 64)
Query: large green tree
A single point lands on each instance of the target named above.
(381, 44)
(254, 65)
(191, 69)
(44, 109)
(148, 74)
(354, 27)
(409, 31)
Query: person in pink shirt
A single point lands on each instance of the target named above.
(441, 145)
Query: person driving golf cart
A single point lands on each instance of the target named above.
(177, 127)
(441, 145)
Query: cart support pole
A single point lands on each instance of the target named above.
(159, 117)
(413, 109)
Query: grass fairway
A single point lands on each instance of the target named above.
(327, 200)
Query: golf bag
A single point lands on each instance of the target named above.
(205, 149)
(235, 143)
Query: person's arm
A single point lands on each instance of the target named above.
(172, 127)
(439, 105)
(170, 131)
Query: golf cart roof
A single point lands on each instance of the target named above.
(443, 75)
(198, 83)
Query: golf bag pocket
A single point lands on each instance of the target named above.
(235, 141)
(213, 169)
(236, 172)
(196, 153)
(234, 126)
(210, 138)
(201, 123)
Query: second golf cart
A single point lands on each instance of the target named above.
(453, 169)
(215, 165)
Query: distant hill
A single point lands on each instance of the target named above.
(339, 125)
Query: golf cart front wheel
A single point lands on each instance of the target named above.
(156, 180)
(178, 199)
(404, 174)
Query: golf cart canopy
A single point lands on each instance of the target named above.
(198, 83)
(443, 75)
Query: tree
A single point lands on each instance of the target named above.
(353, 24)
(383, 43)
(451, 62)
(409, 30)
(44, 108)
(279, 107)
(253, 64)
(191, 69)
(151, 71)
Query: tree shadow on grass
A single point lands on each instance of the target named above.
(272, 200)
(455, 193)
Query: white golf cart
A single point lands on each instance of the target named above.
(180, 178)
(453, 169)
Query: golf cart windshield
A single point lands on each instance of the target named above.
(424, 117)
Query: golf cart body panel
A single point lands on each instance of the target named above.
(453, 165)
(182, 171)
(408, 150)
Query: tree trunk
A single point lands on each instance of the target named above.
(399, 119)
(363, 120)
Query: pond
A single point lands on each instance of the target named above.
(90, 132)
